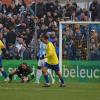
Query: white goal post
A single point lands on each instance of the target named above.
(60, 35)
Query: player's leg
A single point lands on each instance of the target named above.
(39, 72)
(49, 71)
(45, 73)
(3, 71)
(51, 76)
(61, 78)
(38, 75)
(57, 71)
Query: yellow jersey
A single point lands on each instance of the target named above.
(1, 46)
(51, 55)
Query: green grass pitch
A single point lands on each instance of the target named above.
(32, 91)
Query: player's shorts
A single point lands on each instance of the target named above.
(0, 61)
(53, 67)
(41, 62)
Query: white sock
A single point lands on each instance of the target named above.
(50, 74)
(38, 75)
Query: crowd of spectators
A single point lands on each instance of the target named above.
(81, 42)
(21, 25)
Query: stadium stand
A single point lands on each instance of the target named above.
(17, 25)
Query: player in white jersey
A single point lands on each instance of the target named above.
(41, 61)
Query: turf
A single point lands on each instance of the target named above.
(32, 91)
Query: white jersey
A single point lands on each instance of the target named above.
(42, 49)
(41, 53)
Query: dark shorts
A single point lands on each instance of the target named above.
(0, 61)
(53, 67)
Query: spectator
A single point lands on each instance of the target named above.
(21, 46)
(93, 9)
(98, 9)
(10, 37)
(20, 27)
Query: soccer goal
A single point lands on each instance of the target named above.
(84, 42)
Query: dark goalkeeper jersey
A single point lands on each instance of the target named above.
(24, 72)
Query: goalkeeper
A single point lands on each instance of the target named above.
(24, 72)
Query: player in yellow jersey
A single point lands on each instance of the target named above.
(51, 61)
(1, 68)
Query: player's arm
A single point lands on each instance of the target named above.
(30, 73)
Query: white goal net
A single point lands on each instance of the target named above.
(79, 41)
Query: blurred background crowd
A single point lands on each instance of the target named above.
(21, 25)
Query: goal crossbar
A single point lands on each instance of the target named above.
(79, 22)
